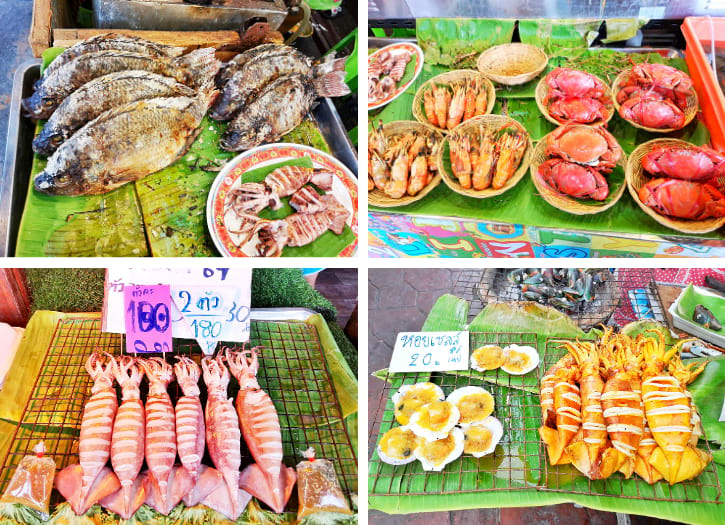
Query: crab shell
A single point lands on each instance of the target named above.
(575, 180)
(581, 110)
(652, 113)
(585, 145)
(687, 163)
(683, 199)
(564, 82)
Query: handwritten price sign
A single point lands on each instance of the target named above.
(430, 352)
(213, 313)
(147, 318)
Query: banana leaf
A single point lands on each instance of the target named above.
(708, 393)
(163, 214)
(619, 29)
(457, 42)
(641, 327)
(691, 298)
(559, 36)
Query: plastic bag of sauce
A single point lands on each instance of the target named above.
(32, 482)
(318, 488)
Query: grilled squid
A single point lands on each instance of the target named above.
(567, 409)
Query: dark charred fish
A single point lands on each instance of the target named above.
(99, 95)
(194, 70)
(236, 63)
(108, 42)
(706, 318)
(124, 144)
(257, 72)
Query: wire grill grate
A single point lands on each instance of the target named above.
(293, 371)
(611, 304)
(565, 478)
(516, 462)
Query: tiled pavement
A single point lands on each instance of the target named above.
(399, 300)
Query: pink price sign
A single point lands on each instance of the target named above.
(148, 318)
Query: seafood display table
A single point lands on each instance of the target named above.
(519, 222)
(44, 398)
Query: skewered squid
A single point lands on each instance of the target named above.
(268, 479)
(567, 412)
(88, 481)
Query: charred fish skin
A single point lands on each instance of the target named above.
(117, 147)
(108, 42)
(236, 63)
(254, 76)
(99, 95)
(293, 95)
(195, 69)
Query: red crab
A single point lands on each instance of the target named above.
(635, 91)
(571, 83)
(595, 147)
(683, 199)
(578, 110)
(687, 163)
(666, 80)
(652, 113)
(573, 179)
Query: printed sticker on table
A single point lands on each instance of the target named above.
(430, 352)
(213, 313)
(147, 318)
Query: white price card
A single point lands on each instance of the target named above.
(430, 352)
(230, 286)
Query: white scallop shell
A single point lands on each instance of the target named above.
(457, 434)
(405, 388)
(530, 350)
(458, 394)
(496, 429)
(394, 461)
(475, 366)
(432, 435)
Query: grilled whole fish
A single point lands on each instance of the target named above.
(257, 72)
(290, 96)
(99, 95)
(236, 63)
(111, 41)
(195, 69)
(124, 144)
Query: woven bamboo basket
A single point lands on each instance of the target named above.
(565, 202)
(378, 197)
(540, 95)
(446, 79)
(637, 177)
(690, 110)
(512, 64)
(487, 123)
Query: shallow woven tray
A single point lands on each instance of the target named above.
(449, 78)
(565, 202)
(378, 197)
(540, 94)
(636, 178)
(512, 64)
(690, 110)
(487, 122)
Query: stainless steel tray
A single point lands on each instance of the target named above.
(19, 153)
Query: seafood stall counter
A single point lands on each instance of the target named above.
(246, 457)
(544, 148)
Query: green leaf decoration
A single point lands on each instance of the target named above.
(558, 36)
(691, 298)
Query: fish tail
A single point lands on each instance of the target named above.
(201, 66)
(329, 65)
(331, 84)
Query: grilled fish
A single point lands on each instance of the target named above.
(286, 180)
(236, 63)
(257, 72)
(111, 41)
(124, 144)
(99, 95)
(195, 69)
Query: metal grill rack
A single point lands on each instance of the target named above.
(515, 464)
(611, 304)
(466, 287)
(565, 478)
(293, 371)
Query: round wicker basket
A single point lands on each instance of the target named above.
(486, 123)
(564, 202)
(378, 197)
(449, 78)
(540, 95)
(690, 110)
(637, 177)
(512, 64)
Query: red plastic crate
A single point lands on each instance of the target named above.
(698, 33)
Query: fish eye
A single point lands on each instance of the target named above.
(56, 139)
(62, 180)
(48, 102)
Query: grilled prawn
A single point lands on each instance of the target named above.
(85, 483)
(268, 479)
